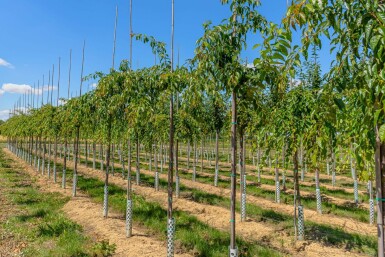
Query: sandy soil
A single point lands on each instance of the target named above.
(218, 217)
(349, 225)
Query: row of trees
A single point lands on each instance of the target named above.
(281, 101)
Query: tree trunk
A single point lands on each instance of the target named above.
(129, 171)
(86, 150)
(108, 155)
(216, 155)
(233, 169)
(202, 155)
(93, 155)
(380, 167)
(137, 160)
(170, 177)
(297, 197)
(76, 160)
(55, 160)
(188, 154)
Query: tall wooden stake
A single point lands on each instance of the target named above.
(379, 167)
(129, 195)
(113, 50)
(66, 136)
(78, 131)
(233, 248)
(171, 221)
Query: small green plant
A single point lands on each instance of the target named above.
(103, 249)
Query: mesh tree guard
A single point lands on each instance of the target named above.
(170, 237)
(301, 223)
(157, 181)
(277, 192)
(63, 179)
(129, 218)
(355, 191)
(319, 200)
(105, 202)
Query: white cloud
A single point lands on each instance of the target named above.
(94, 85)
(15, 88)
(5, 63)
(4, 114)
(23, 88)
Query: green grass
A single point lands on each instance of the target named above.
(319, 232)
(38, 220)
(191, 234)
(327, 234)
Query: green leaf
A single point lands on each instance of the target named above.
(381, 16)
(382, 133)
(339, 103)
(374, 41)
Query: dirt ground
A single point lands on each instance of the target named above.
(218, 217)
(89, 215)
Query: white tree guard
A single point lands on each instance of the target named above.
(177, 187)
(170, 237)
(137, 177)
(233, 252)
(371, 211)
(63, 179)
(277, 192)
(301, 223)
(105, 202)
(243, 206)
(319, 200)
(156, 181)
(216, 176)
(129, 218)
(356, 191)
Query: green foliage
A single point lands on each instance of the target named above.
(103, 249)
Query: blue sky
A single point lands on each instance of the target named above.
(34, 34)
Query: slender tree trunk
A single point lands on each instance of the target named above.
(55, 160)
(129, 161)
(76, 161)
(297, 196)
(195, 160)
(241, 157)
(137, 160)
(129, 192)
(188, 154)
(86, 150)
(216, 156)
(108, 155)
(94, 155)
(65, 162)
(233, 169)
(202, 155)
(380, 167)
(170, 178)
